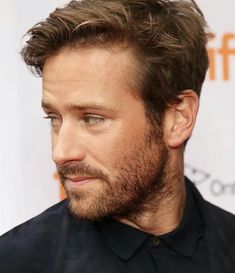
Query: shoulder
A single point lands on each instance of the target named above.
(219, 217)
(28, 240)
(42, 243)
(48, 242)
(42, 222)
(214, 217)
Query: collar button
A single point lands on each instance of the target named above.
(156, 241)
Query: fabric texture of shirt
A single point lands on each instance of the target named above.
(183, 250)
(58, 242)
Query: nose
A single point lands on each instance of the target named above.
(67, 146)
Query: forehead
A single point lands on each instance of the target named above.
(91, 75)
(91, 63)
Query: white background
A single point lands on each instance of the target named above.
(26, 169)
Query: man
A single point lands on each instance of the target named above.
(121, 87)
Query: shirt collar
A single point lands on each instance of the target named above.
(124, 240)
(184, 239)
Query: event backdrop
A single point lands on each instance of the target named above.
(28, 183)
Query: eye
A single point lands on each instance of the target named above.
(93, 120)
(54, 120)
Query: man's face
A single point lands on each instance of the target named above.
(111, 161)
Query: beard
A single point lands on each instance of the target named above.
(135, 183)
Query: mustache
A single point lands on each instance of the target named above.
(80, 169)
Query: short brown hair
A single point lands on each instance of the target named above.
(170, 37)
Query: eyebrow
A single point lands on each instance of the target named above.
(81, 107)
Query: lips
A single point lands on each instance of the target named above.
(79, 180)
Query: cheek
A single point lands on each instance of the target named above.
(107, 150)
(114, 150)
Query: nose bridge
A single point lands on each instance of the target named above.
(67, 145)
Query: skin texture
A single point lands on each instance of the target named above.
(111, 160)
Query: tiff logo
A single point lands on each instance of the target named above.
(225, 52)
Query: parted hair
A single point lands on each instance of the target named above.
(168, 37)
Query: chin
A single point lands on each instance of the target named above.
(87, 208)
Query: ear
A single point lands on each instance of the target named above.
(180, 119)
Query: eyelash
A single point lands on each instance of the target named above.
(51, 119)
(86, 119)
(98, 120)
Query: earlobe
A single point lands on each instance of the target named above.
(180, 119)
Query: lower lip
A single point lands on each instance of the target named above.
(77, 184)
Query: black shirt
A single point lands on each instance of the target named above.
(183, 250)
(57, 242)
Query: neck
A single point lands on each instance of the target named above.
(165, 212)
